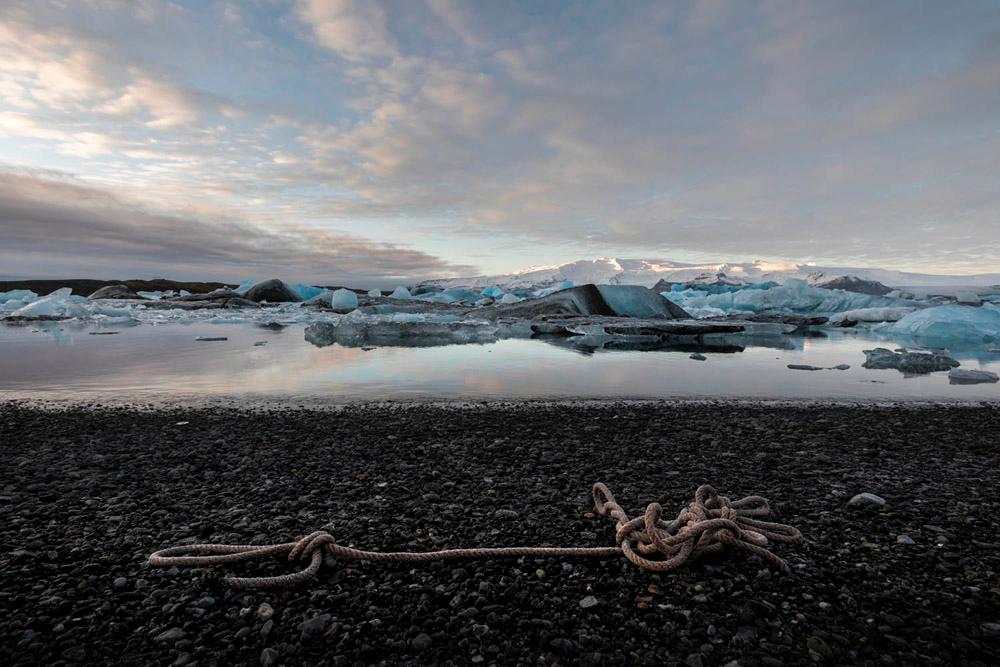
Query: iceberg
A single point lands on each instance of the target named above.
(510, 298)
(971, 376)
(794, 296)
(245, 286)
(875, 314)
(344, 299)
(951, 325)
(151, 296)
(362, 331)
(494, 292)
(566, 284)
(306, 292)
(374, 293)
(401, 293)
(21, 295)
(908, 362)
(451, 295)
(60, 304)
(638, 301)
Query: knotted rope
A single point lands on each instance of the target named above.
(708, 525)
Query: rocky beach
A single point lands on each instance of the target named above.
(88, 492)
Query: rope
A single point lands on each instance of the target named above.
(708, 525)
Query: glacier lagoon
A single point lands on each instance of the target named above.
(78, 361)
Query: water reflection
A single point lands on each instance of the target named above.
(62, 360)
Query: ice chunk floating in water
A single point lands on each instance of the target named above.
(400, 293)
(951, 325)
(344, 299)
(58, 304)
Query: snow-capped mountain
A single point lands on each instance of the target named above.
(648, 272)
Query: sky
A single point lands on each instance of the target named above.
(375, 142)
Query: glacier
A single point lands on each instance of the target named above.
(648, 272)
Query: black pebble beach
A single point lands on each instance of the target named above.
(87, 493)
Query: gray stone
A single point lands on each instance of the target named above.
(268, 657)
(119, 584)
(170, 635)
(265, 611)
(866, 501)
(314, 627)
(421, 642)
(697, 356)
(505, 514)
(905, 540)
(588, 602)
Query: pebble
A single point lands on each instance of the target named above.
(269, 657)
(227, 479)
(905, 539)
(698, 357)
(866, 501)
(314, 627)
(505, 514)
(171, 635)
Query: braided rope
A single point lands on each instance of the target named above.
(708, 525)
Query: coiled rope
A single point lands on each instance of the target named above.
(708, 525)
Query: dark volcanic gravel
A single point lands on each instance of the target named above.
(87, 494)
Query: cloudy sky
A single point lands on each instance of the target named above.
(340, 141)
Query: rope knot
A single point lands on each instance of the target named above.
(710, 523)
(311, 543)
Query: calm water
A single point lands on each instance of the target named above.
(165, 363)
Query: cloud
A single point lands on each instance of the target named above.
(356, 29)
(832, 132)
(74, 225)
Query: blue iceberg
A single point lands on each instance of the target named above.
(951, 325)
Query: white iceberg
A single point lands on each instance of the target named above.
(510, 298)
(951, 325)
(794, 296)
(151, 296)
(60, 304)
(401, 293)
(374, 292)
(344, 299)
(891, 314)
